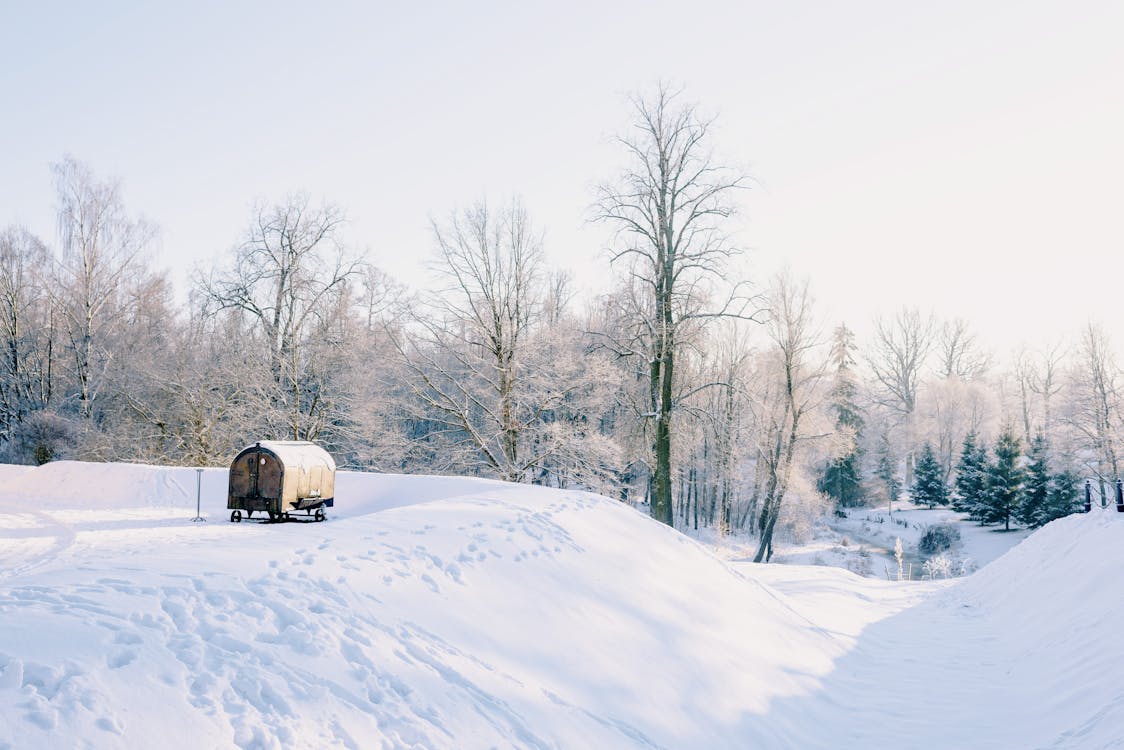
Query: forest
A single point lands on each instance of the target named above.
(709, 399)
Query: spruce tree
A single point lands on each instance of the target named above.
(971, 476)
(928, 480)
(842, 474)
(1036, 487)
(1004, 482)
(1063, 498)
(886, 471)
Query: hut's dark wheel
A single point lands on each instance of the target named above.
(319, 514)
(236, 516)
(272, 515)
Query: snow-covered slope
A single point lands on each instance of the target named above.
(444, 612)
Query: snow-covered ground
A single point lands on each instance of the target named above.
(456, 613)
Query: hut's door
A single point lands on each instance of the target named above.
(268, 479)
(252, 474)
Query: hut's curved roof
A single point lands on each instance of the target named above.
(295, 452)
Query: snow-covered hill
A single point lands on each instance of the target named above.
(442, 612)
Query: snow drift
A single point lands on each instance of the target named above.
(445, 612)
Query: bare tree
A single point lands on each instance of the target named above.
(669, 209)
(1045, 381)
(289, 281)
(489, 377)
(101, 249)
(951, 408)
(791, 392)
(958, 353)
(897, 358)
(1096, 409)
(27, 328)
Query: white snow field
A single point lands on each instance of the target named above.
(436, 612)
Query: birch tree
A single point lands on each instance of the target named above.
(27, 328)
(102, 248)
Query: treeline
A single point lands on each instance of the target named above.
(714, 402)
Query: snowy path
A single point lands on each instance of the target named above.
(452, 613)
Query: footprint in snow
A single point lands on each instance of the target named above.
(111, 725)
(121, 659)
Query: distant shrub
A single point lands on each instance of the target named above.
(938, 538)
(42, 437)
(861, 563)
(939, 566)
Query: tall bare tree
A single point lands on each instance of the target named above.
(27, 328)
(101, 250)
(959, 354)
(288, 281)
(1096, 409)
(494, 381)
(897, 357)
(791, 389)
(898, 354)
(670, 208)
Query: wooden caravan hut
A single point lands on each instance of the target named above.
(279, 477)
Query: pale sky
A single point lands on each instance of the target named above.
(965, 157)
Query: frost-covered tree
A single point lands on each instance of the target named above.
(502, 392)
(897, 357)
(971, 476)
(1005, 480)
(1036, 485)
(1047, 495)
(1062, 499)
(102, 252)
(28, 329)
(842, 473)
(929, 487)
(669, 208)
(886, 471)
(1094, 411)
(791, 391)
(287, 282)
(958, 353)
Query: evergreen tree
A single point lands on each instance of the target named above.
(842, 474)
(1004, 482)
(1036, 488)
(887, 472)
(1063, 498)
(971, 476)
(928, 480)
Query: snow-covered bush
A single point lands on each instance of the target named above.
(939, 566)
(803, 507)
(938, 538)
(41, 437)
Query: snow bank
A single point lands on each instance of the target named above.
(428, 612)
(1023, 653)
(441, 612)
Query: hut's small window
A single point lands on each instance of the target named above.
(262, 461)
